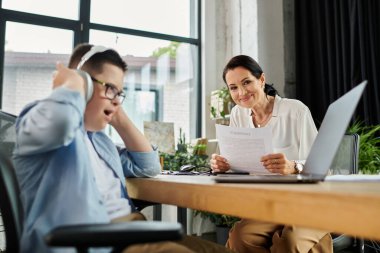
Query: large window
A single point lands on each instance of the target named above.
(63, 9)
(149, 15)
(29, 64)
(160, 43)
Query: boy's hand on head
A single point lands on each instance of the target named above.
(69, 78)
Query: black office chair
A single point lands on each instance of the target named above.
(116, 235)
(346, 162)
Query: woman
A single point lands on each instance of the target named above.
(258, 105)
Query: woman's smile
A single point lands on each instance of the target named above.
(245, 98)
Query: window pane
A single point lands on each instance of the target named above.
(29, 64)
(165, 16)
(63, 9)
(161, 80)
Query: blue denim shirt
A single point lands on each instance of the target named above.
(53, 168)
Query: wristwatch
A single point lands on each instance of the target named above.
(298, 166)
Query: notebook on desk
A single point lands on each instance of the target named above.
(323, 150)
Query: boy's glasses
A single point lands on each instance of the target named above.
(111, 91)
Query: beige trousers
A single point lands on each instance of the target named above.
(186, 245)
(263, 237)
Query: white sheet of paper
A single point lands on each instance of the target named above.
(243, 147)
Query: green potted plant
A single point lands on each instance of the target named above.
(182, 155)
(181, 145)
(221, 103)
(369, 147)
(369, 156)
(174, 161)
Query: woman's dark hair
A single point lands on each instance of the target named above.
(252, 66)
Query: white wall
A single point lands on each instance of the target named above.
(231, 27)
(271, 41)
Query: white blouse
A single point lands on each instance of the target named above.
(293, 128)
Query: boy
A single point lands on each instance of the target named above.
(69, 171)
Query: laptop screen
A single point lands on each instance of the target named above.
(331, 131)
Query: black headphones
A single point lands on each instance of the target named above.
(88, 82)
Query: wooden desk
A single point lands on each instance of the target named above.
(343, 207)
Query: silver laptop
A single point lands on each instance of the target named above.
(323, 150)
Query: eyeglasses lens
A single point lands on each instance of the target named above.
(112, 93)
